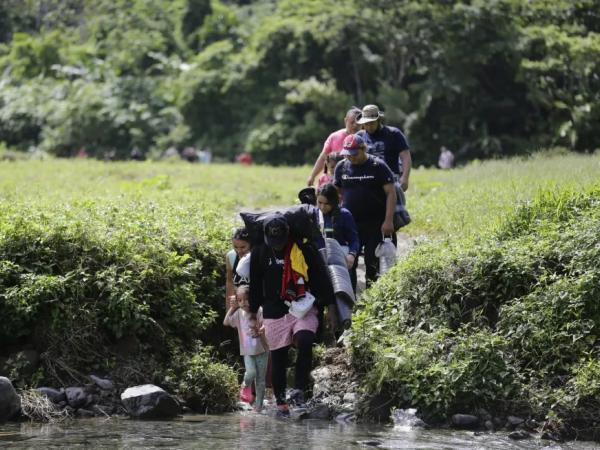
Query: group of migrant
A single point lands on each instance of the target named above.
(330, 270)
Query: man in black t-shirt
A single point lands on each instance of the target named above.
(367, 187)
(385, 142)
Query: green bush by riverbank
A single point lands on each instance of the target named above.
(506, 320)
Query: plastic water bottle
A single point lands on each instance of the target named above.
(386, 252)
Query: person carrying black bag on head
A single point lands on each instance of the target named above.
(285, 274)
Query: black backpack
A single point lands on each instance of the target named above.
(303, 221)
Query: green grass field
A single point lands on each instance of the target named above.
(442, 203)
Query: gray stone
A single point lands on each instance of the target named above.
(370, 443)
(149, 402)
(299, 413)
(77, 397)
(345, 418)
(320, 412)
(465, 421)
(483, 415)
(514, 421)
(54, 395)
(489, 425)
(10, 402)
(84, 413)
(102, 383)
(518, 435)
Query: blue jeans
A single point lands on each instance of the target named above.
(256, 370)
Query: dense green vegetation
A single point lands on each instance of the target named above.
(117, 268)
(274, 77)
(504, 316)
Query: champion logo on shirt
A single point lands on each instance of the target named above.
(359, 178)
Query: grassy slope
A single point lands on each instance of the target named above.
(498, 309)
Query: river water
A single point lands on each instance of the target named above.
(251, 431)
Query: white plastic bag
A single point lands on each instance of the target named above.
(243, 266)
(386, 252)
(299, 308)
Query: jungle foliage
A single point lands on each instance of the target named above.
(507, 320)
(274, 77)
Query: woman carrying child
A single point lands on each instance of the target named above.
(253, 346)
(339, 224)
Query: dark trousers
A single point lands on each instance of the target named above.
(369, 235)
(304, 341)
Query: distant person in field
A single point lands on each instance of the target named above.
(240, 241)
(366, 184)
(446, 159)
(385, 142)
(334, 142)
(244, 158)
(136, 154)
(331, 161)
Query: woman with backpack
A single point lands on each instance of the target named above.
(339, 224)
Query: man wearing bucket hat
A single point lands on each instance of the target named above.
(367, 187)
(385, 142)
(334, 142)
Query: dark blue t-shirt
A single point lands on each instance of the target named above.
(362, 188)
(386, 143)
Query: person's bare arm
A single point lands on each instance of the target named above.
(406, 159)
(229, 288)
(233, 306)
(317, 168)
(387, 227)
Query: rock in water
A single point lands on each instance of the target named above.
(10, 402)
(102, 383)
(519, 435)
(54, 395)
(465, 421)
(320, 412)
(149, 402)
(77, 397)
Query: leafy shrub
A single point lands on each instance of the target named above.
(78, 279)
(205, 384)
(500, 321)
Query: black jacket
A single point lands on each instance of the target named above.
(265, 280)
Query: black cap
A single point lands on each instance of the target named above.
(308, 196)
(276, 231)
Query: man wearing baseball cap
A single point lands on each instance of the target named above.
(385, 142)
(367, 187)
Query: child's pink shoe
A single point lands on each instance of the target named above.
(246, 394)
